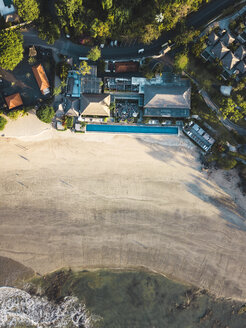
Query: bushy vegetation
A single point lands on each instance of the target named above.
(181, 61)
(113, 18)
(15, 113)
(45, 114)
(94, 54)
(3, 122)
(28, 10)
(11, 49)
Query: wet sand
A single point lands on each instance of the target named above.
(97, 201)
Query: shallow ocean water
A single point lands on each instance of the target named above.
(142, 299)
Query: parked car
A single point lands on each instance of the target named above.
(140, 51)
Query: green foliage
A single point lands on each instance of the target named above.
(45, 114)
(62, 69)
(231, 110)
(68, 11)
(15, 113)
(226, 163)
(48, 30)
(3, 122)
(100, 29)
(57, 90)
(84, 68)
(150, 33)
(32, 60)
(199, 46)
(127, 19)
(68, 122)
(146, 69)
(11, 49)
(107, 4)
(94, 54)
(185, 37)
(28, 10)
(181, 61)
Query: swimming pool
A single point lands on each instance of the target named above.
(132, 129)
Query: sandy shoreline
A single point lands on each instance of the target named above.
(98, 201)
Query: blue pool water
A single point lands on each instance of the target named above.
(132, 129)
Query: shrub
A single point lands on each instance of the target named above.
(181, 61)
(14, 114)
(45, 114)
(94, 54)
(69, 122)
(226, 163)
(3, 122)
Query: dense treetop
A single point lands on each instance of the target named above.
(11, 49)
(28, 10)
(122, 18)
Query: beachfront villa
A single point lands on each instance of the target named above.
(83, 96)
(167, 100)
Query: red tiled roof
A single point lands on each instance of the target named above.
(14, 101)
(122, 67)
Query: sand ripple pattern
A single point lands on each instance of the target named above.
(19, 307)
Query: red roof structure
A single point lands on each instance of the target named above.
(41, 79)
(123, 67)
(14, 101)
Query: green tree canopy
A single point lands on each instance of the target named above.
(45, 114)
(150, 33)
(11, 49)
(94, 54)
(84, 68)
(28, 10)
(68, 11)
(48, 30)
(230, 109)
(181, 61)
(107, 4)
(3, 122)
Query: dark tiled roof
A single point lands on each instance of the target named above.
(227, 38)
(72, 106)
(229, 60)
(240, 52)
(219, 50)
(241, 66)
(213, 38)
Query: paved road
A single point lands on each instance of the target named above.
(198, 19)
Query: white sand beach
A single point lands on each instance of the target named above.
(118, 201)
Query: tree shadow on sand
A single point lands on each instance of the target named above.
(229, 210)
(166, 150)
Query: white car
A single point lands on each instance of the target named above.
(115, 43)
(140, 51)
(102, 45)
